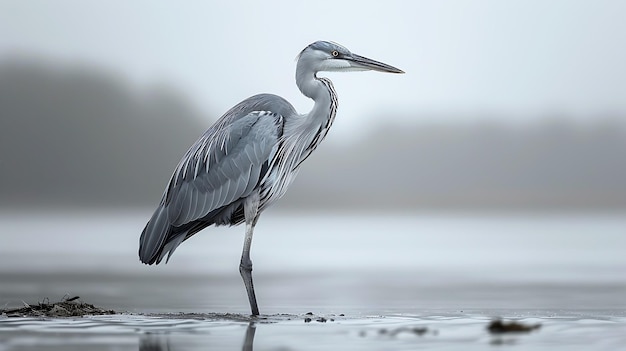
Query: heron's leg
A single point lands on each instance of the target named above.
(245, 268)
(250, 207)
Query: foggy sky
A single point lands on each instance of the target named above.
(470, 60)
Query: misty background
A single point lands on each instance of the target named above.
(504, 106)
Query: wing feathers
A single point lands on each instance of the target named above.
(153, 236)
(216, 174)
(237, 158)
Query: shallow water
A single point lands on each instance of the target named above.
(593, 330)
(387, 275)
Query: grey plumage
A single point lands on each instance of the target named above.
(217, 172)
(248, 158)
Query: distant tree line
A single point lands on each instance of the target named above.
(78, 136)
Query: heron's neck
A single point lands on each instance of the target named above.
(321, 117)
(321, 90)
(313, 127)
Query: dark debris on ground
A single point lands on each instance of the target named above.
(70, 307)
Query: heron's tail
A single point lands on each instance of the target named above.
(154, 237)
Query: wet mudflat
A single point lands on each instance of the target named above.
(409, 283)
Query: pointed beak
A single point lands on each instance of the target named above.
(364, 63)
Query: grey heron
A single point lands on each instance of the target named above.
(248, 158)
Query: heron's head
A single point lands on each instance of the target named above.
(332, 57)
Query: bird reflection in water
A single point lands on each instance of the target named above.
(164, 342)
(248, 341)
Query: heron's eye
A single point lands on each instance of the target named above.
(335, 53)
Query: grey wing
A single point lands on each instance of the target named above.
(222, 167)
